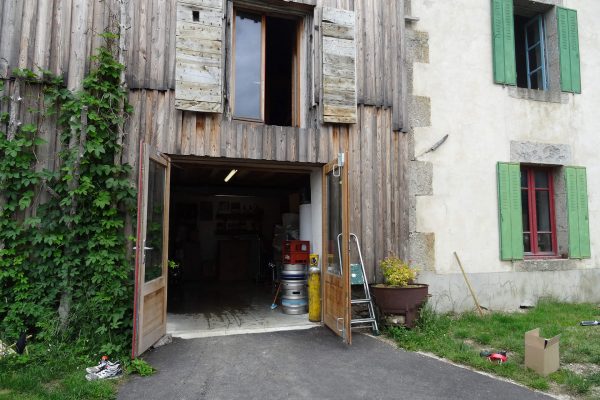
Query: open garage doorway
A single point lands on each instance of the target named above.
(227, 221)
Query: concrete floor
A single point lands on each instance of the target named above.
(308, 364)
(227, 308)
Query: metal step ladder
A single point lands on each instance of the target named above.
(359, 277)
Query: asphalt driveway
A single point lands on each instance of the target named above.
(308, 364)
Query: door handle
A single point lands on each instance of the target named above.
(145, 248)
(337, 324)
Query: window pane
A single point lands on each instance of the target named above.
(154, 229)
(525, 209)
(248, 47)
(527, 242)
(535, 58)
(542, 204)
(541, 179)
(533, 33)
(545, 242)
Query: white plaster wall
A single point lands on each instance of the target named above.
(481, 120)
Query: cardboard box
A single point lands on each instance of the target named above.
(541, 355)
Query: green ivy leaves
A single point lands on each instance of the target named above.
(59, 237)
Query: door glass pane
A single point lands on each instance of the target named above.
(154, 224)
(248, 56)
(334, 223)
(542, 204)
(545, 242)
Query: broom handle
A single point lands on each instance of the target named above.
(277, 293)
(469, 285)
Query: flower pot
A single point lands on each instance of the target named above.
(405, 301)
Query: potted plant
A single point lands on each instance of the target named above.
(399, 294)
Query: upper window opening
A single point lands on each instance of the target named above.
(265, 69)
(530, 52)
(537, 201)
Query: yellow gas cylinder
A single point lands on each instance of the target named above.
(314, 294)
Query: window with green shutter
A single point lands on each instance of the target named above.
(568, 42)
(577, 212)
(523, 52)
(510, 211)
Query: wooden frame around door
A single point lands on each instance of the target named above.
(336, 288)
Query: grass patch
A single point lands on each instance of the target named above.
(460, 339)
(55, 372)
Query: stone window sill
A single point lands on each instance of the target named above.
(547, 96)
(546, 264)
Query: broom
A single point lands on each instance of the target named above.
(274, 305)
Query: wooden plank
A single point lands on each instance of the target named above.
(27, 40)
(77, 48)
(43, 34)
(398, 71)
(169, 78)
(9, 32)
(60, 37)
(367, 179)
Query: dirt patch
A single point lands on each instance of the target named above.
(52, 385)
(582, 369)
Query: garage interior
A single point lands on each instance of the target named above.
(225, 237)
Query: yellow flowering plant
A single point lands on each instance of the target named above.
(397, 272)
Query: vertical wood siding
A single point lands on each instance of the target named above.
(59, 35)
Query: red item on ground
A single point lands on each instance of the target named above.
(500, 358)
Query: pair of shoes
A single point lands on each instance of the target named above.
(109, 371)
(101, 365)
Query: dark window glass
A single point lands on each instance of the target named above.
(525, 208)
(541, 179)
(545, 242)
(248, 55)
(527, 242)
(542, 208)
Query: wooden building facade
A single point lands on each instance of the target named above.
(349, 89)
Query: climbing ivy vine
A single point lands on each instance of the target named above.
(64, 265)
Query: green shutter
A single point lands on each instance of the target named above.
(503, 42)
(510, 213)
(568, 43)
(577, 211)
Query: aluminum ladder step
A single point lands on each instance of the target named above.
(362, 320)
(368, 300)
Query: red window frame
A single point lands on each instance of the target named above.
(533, 230)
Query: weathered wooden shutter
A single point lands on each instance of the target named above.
(577, 212)
(503, 42)
(339, 66)
(510, 213)
(199, 55)
(568, 43)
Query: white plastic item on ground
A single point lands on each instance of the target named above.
(306, 222)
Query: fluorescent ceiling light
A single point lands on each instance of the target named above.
(231, 174)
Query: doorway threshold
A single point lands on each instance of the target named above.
(234, 322)
(241, 331)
